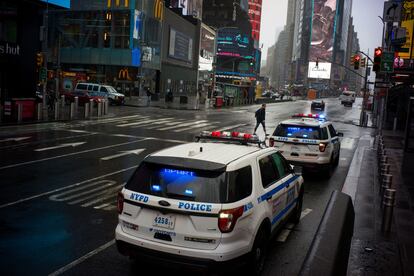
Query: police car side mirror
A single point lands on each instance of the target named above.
(340, 134)
(298, 170)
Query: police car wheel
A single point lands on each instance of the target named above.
(295, 217)
(258, 253)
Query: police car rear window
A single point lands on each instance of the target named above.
(190, 185)
(294, 131)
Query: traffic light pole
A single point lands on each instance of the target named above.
(362, 121)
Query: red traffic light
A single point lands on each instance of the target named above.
(357, 58)
(378, 52)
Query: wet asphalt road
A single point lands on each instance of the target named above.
(59, 183)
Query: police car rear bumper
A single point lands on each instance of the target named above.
(310, 166)
(132, 246)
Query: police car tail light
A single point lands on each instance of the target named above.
(235, 134)
(271, 142)
(228, 218)
(120, 202)
(322, 147)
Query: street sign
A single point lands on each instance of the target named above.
(392, 12)
(387, 62)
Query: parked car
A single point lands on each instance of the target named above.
(347, 98)
(318, 105)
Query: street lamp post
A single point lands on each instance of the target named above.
(362, 121)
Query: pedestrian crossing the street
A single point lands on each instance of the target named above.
(99, 195)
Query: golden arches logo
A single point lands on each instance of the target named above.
(124, 74)
(159, 10)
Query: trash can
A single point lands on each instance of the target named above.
(218, 101)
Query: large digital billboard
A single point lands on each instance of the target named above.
(231, 42)
(60, 3)
(322, 71)
(323, 30)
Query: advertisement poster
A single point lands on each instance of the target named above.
(322, 71)
(323, 30)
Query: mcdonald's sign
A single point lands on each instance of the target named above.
(124, 74)
(159, 10)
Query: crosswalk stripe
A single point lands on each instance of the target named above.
(88, 192)
(231, 127)
(110, 208)
(191, 123)
(169, 126)
(102, 206)
(143, 122)
(193, 127)
(94, 195)
(156, 122)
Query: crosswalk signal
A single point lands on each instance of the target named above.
(357, 59)
(39, 59)
(377, 59)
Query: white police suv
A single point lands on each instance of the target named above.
(308, 140)
(209, 203)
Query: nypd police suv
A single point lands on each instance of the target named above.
(213, 202)
(308, 140)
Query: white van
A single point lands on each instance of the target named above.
(101, 90)
(347, 97)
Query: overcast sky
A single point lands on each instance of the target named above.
(366, 21)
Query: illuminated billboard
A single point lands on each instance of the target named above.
(60, 3)
(323, 30)
(231, 42)
(322, 71)
(255, 15)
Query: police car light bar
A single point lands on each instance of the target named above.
(229, 136)
(310, 115)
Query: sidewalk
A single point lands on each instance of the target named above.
(374, 252)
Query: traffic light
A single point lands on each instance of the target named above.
(352, 60)
(377, 59)
(39, 59)
(357, 59)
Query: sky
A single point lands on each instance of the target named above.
(366, 21)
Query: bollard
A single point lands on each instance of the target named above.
(56, 111)
(76, 105)
(39, 111)
(86, 110)
(386, 182)
(99, 109)
(72, 111)
(62, 101)
(106, 107)
(103, 107)
(388, 203)
(91, 104)
(19, 112)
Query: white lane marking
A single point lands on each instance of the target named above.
(305, 213)
(343, 159)
(15, 139)
(82, 259)
(66, 145)
(231, 127)
(193, 127)
(284, 234)
(71, 154)
(124, 136)
(103, 184)
(102, 206)
(47, 140)
(110, 192)
(64, 188)
(123, 153)
(110, 208)
(347, 143)
(77, 131)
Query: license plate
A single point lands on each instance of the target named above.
(295, 149)
(164, 221)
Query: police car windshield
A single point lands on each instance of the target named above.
(294, 131)
(190, 185)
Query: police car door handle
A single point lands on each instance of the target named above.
(269, 197)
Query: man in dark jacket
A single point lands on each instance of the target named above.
(260, 118)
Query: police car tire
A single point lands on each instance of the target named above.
(295, 217)
(258, 253)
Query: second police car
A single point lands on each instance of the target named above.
(310, 141)
(213, 202)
